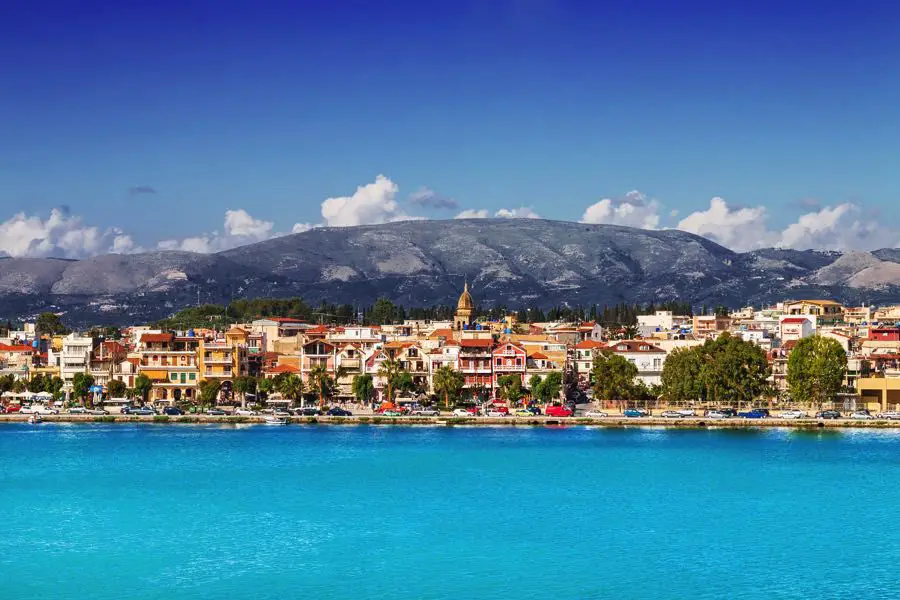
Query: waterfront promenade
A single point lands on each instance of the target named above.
(512, 421)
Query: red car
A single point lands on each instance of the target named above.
(558, 411)
(13, 408)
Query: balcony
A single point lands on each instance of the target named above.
(217, 361)
(222, 374)
(350, 363)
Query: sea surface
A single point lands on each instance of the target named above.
(205, 511)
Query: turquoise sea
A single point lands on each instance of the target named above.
(184, 511)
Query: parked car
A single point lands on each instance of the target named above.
(686, 412)
(755, 413)
(671, 414)
(337, 411)
(97, 411)
(828, 414)
(861, 415)
(40, 409)
(172, 411)
(595, 414)
(392, 413)
(13, 408)
(793, 414)
(728, 412)
(523, 412)
(282, 413)
(216, 412)
(495, 412)
(421, 411)
(244, 412)
(891, 415)
(633, 413)
(140, 411)
(716, 414)
(77, 410)
(558, 411)
(535, 410)
(462, 412)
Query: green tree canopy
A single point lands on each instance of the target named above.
(816, 369)
(724, 370)
(81, 385)
(290, 386)
(548, 388)
(613, 376)
(209, 392)
(449, 383)
(116, 388)
(142, 387)
(510, 388)
(363, 388)
(49, 323)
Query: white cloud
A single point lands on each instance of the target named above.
(634, 210)
(239, 228)
(838, 227)
(301, 227)
(60, 234)
(123, 244)
(523, 212)
(371, 204)
(473, 213)
(240, 223)
(735, 228)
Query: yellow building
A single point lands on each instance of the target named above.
(824, 309)
(224, 358)
(880, 393)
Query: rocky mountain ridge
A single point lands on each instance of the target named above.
(513, 262)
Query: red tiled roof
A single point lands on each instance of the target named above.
(284, 320)
(157, 337)
(539, 356)
(441, 333)
(633, 346)
(283, 369)
(588, 345)
(318, 329)
(476, 343)
(794, 320)
(15, 348)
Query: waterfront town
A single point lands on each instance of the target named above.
(279, 362)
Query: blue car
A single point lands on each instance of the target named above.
(756, 413)
(634, 412)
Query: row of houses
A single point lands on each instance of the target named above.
(177, 362)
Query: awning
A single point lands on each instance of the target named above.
(156, 375)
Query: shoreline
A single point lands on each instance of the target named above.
(611, 422)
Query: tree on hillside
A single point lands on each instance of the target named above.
(363, 388)
(448, 382)
(816, 369)
(142, 387)
(383, 312)
(613, 376)
(49, 323)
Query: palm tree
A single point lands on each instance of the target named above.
(291, 387)
(390, 370)
(363, 388)
(321, 382)
(448, 382)
(209, 392)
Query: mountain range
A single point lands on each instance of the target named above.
(512, 262)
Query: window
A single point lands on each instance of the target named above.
(192, 376)
(174, 376)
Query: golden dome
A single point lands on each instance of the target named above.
(465, 300)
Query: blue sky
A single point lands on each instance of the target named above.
(272, 107)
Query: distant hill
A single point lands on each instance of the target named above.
(516, 262)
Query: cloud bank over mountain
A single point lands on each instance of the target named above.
(840, 227)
